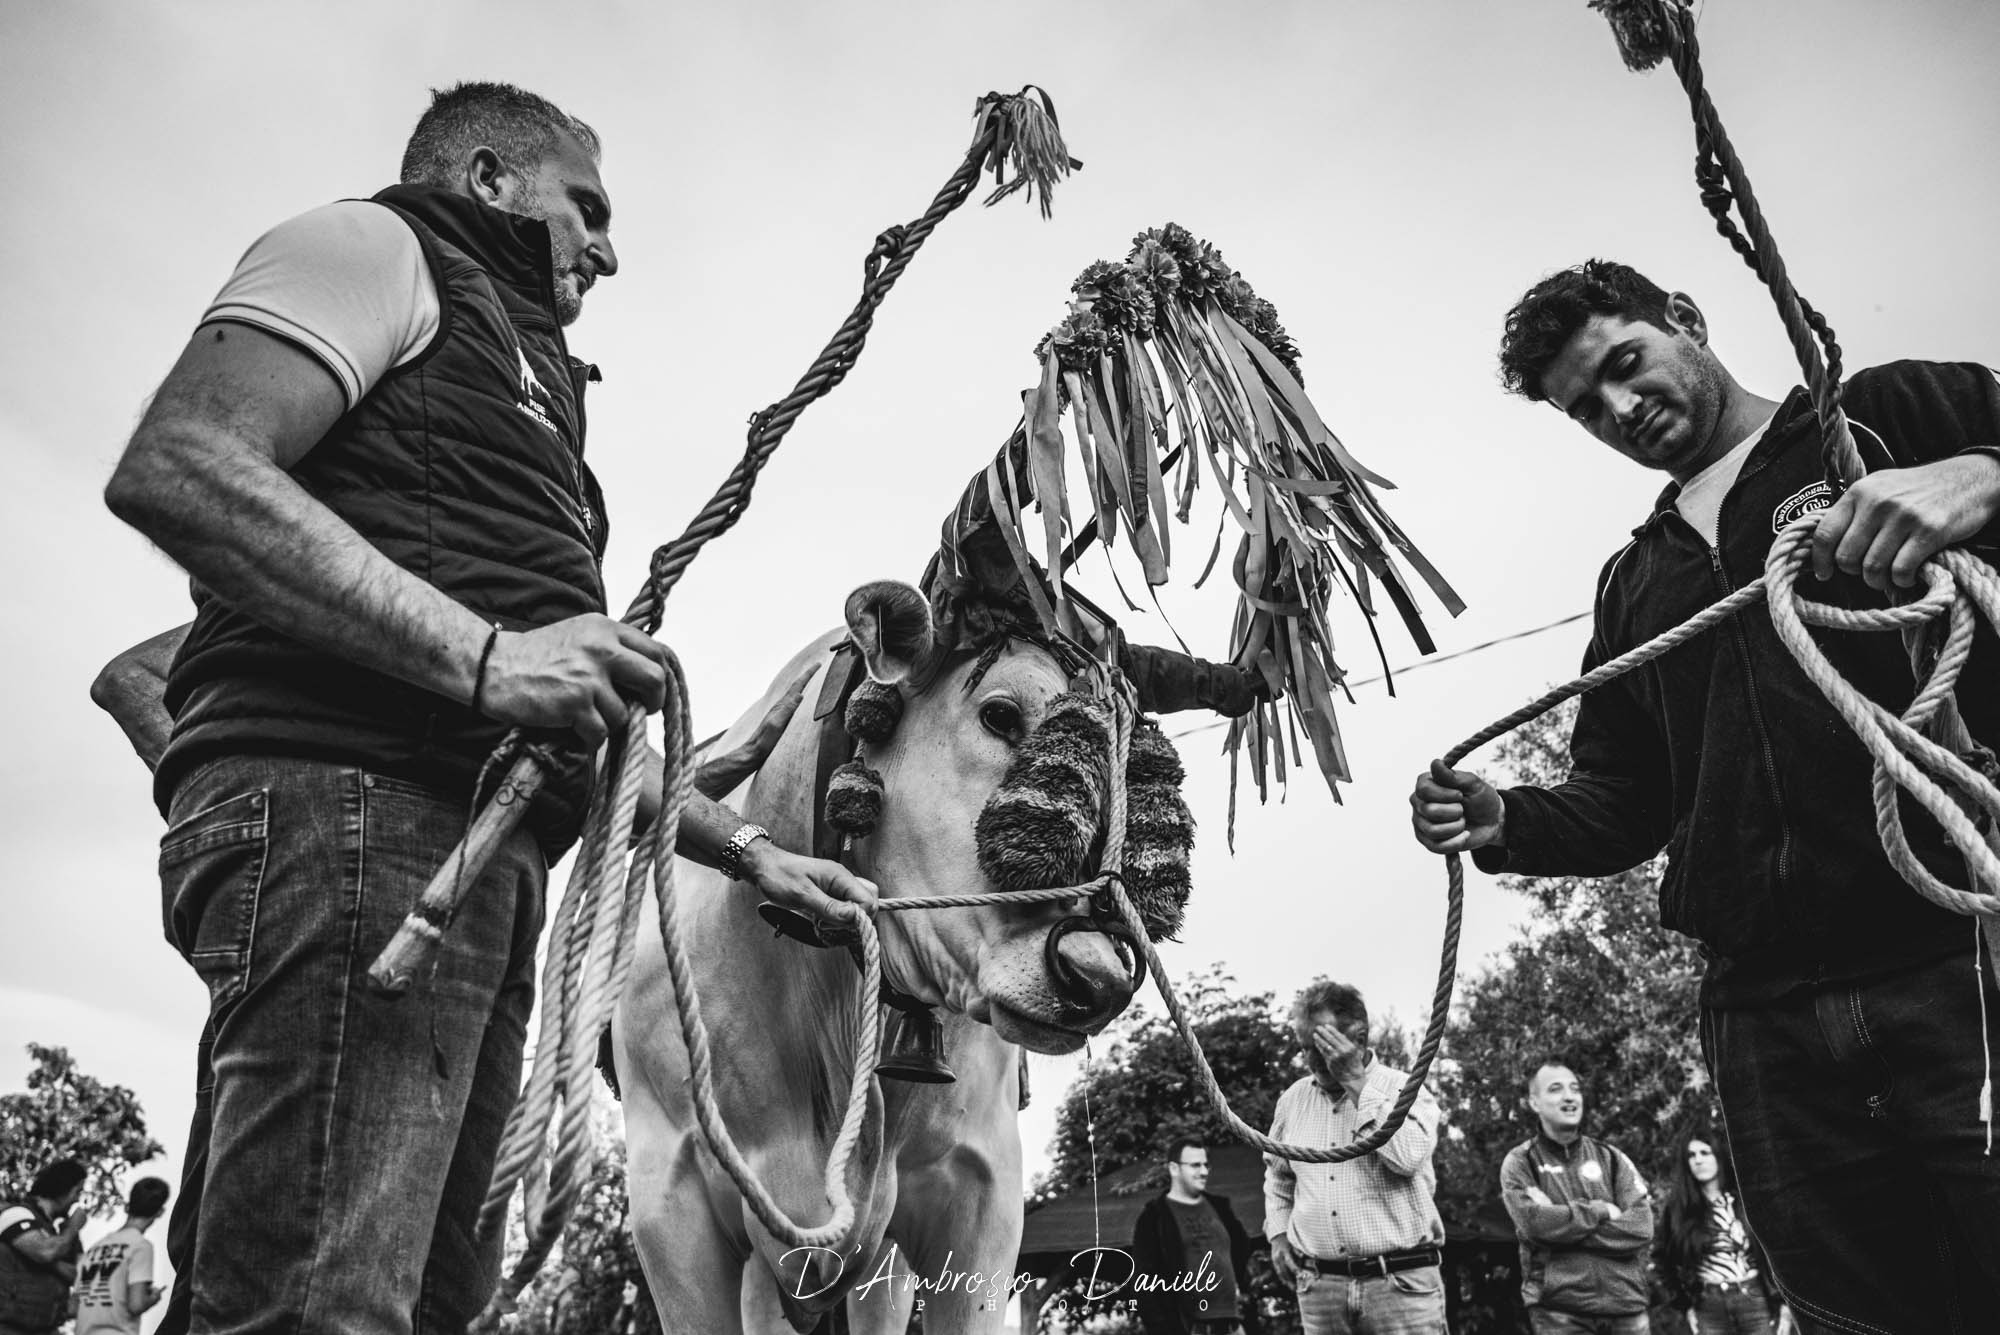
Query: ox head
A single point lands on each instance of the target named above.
(989, 773)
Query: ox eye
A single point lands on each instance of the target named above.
(1003, 719)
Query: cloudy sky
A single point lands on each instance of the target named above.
(1391, 175)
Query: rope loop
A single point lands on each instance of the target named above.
(1957, 794)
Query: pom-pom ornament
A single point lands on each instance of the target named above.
(873, 710)
(854, 798)
(1041, 825)
(1159, 831)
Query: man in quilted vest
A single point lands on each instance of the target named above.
(370, 459)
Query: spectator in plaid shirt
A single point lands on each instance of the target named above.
(1361, 1240)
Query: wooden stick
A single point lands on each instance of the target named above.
(413, 950)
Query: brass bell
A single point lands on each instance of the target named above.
(913, 1049)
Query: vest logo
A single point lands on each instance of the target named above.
(533, 400)
(1804, 501)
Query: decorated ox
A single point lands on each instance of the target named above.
(937, 1173)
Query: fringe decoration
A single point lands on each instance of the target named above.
(1168, 369)
(1042, 823)
(873, 710)
(1644, 29)
(1028, 139)
(1159, 831)
(854, 798)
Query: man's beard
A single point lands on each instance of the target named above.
(569, 303)
(562, 260)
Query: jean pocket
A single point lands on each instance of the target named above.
(1422, 1281)
(211, 872)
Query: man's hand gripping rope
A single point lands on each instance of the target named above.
(1454, 811)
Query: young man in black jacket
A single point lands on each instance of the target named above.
(1842, 1014)
(1191, 1255)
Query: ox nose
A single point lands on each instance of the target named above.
(1090, 966)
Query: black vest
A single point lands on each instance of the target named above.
(32, 1295)
(465, 467)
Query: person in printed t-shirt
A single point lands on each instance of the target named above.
(114, 1285)
(1191, 1255)
(1361, 1241)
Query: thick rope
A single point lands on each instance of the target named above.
(997, 139)
(1904, 757)
(1646, 31)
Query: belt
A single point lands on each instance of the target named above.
(1386, 1264)
(1733, 1285)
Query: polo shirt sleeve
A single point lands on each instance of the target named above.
(16, 1220)
(347, 283)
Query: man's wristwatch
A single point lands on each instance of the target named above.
(731, 858)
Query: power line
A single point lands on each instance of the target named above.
(1420, 663)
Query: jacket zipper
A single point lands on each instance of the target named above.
(575, 454)
(1757, 721)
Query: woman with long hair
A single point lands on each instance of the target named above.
(1703, 1248)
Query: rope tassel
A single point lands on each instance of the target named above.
(1027, 138)
(1643, 28)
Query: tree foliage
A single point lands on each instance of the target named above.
(592, 1284)
(67, 1113)
(1143, 1092)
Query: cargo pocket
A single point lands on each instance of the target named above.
(211, 870)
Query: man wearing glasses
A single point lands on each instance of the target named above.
(1191, 1256)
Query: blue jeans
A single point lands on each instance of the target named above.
(342, 1143)
(1854, 1129)
(1544, 1322)
(1408, 1302)
(1739, 1309)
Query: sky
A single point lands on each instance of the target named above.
(1392, 176)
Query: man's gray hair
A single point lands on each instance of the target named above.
(521, 127)
(1338, 999)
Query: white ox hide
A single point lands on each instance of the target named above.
(938, 1170)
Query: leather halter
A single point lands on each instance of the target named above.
(835, 748)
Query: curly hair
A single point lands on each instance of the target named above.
(521, 127)
(1339, 1000)
(1545, 319)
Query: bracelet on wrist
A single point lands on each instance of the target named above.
(730, 861)
(485, 657)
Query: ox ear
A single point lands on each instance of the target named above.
(890, 623)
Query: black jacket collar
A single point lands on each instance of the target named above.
(1797, 407)
(511, 248)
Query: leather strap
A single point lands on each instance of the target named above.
(843, 674)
